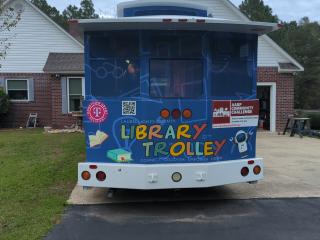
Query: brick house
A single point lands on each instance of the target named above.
(49, 61)
(22, 75)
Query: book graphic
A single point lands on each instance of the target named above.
(119, 155)
(97, 139)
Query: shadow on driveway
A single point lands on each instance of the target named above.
(216, 219)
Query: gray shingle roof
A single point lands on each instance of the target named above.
(288, 66)
(64, 63)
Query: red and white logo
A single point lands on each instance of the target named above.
(221, 112)
(235, 113)
(97, 112)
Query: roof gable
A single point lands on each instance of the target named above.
(269, 52)
(33, 38)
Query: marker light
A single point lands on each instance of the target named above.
(257, 170)
(201, 20)
(101, 176)
(85, 175)
(244, 171)
(93, 166)
(176, 113)
(165, 113)
(187, 113)
(176, 177)
(250, 162)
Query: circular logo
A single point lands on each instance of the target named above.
(97, 112)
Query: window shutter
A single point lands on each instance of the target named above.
(2, 84)
(31, 89)
(64, 95)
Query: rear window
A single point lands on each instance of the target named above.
(180, 78)
(115, 77)
(115, 64)
(232, 69)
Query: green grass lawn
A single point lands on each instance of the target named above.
(37, 174)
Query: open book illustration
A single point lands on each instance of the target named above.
(97, 139)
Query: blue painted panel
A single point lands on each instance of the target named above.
(229, 72)
(163, 10)
(120, 128)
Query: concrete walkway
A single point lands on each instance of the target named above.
(292, 170)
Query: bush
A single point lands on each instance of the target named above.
(315, 120)
(4, 102)
(314, 117)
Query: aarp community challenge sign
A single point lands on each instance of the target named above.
(235, 113)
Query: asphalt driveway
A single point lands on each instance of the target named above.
(285, 205)
(273, 219)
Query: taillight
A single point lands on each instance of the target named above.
(250, 162)
(165, 113)
(176, 113)
(187, 113)
(257, 170)
(101, 176)
(93, 166)
(85, 175)
(244, 171)
(201, 20)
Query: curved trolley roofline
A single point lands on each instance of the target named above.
(151, 3)
(170, 22)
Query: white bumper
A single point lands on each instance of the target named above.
(159, 176)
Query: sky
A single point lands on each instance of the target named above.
(287, 10)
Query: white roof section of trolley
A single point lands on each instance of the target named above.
(143, 3)
(177, 23)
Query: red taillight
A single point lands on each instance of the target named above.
(257, 170)
(176, 113)
(201, 20)
(187, 113)
(101, 176)
(280, 25)
(244, 171)
(85, 175)
(93, 166)
(165, 113)
(250, 162)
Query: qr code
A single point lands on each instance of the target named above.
(129, 108)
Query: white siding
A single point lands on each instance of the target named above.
(267, 54)
(32, 40)
(219, 9)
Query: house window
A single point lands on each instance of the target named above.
(75, 94)
(17, 89)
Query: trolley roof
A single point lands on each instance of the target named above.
(177, 23)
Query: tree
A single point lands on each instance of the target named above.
(9, 18)
(302, 41)
(4, 102)
(256, 10)
(85, 11)
(88, 10)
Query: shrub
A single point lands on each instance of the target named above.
(4, 102)
(314, 120)
(314, 117)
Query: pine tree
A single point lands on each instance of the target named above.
(256, 10)
(86, 11)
